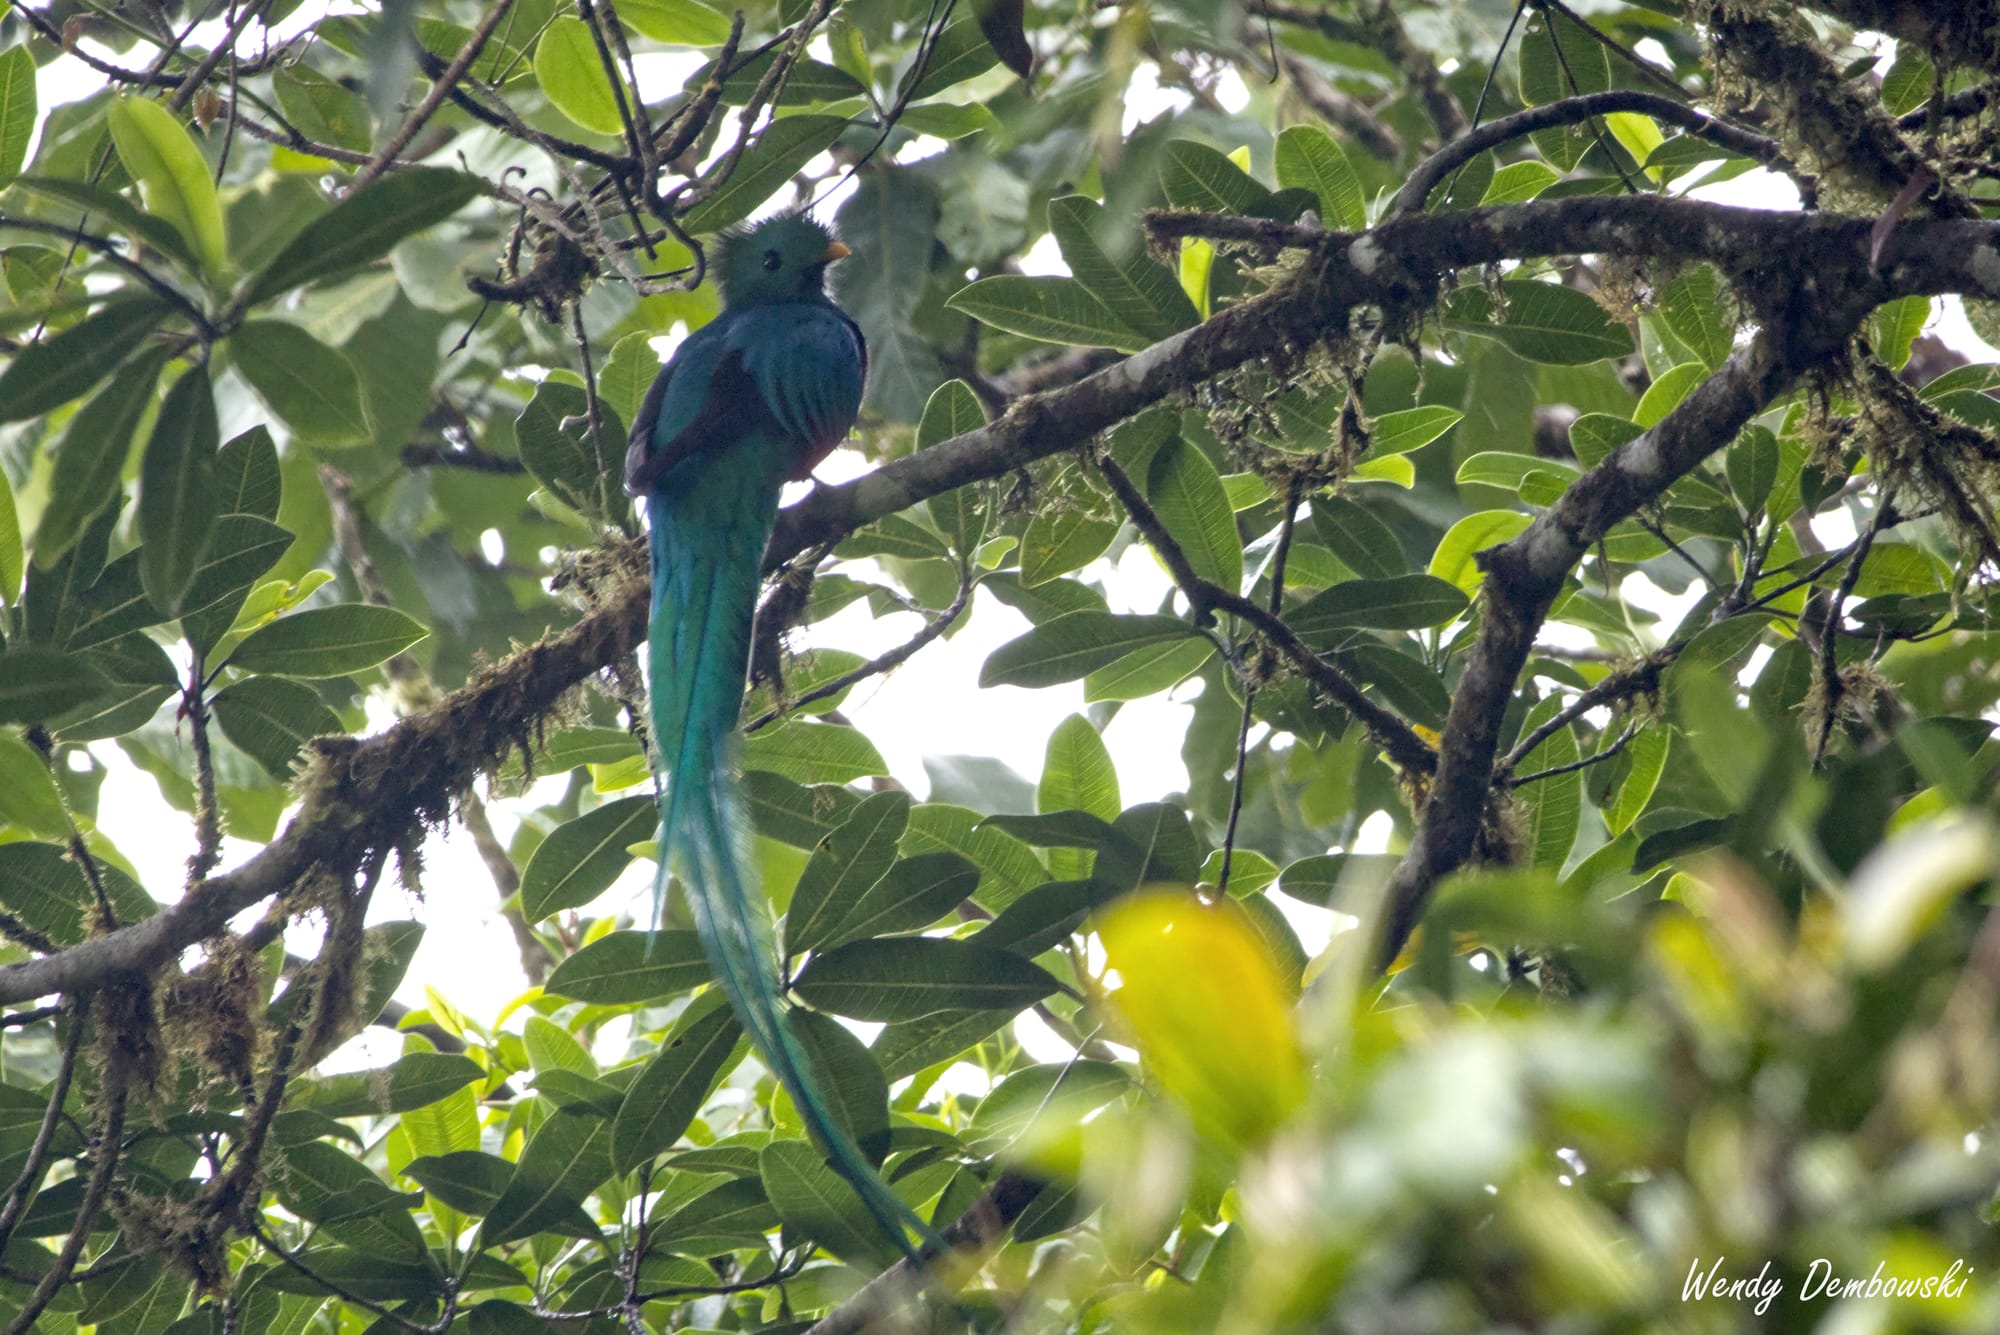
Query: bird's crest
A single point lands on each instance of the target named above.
(780, 258)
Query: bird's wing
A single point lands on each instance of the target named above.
(702, 400)
(808, 362)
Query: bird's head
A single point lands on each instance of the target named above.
(779, 259)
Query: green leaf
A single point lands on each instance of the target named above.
(813, 753)
(177, 490)
(326, 1186)
(1453, 561)
(960, 514)
(115, 604)
(670, 1091)
(1075, 644)
(851, 1084)
(1648, 750)
(364, 227)
(248, 480)
(1523, 473)
(272, 719)
(1151, 842)
(327, 641)
(620, 968)
(569, 71)
(1405, 602)
(1309, 159)
(1399, 433)
(1007, 867)
(310, 386)
(582, 857)
(173, 176)
(1062, 539)
(1138, 292)
(1054, 310)
(1147, 671)
(1195, 176)
(1188, 494)
(415, 1080)
(1595, 435)
(1551, 808)
(733, 1215)
(28, 796)
(675, 22)
(324, 111)
(44, 376)
(630, 369)
(559, 450)
(1077, 772)
(893, 535)
(138, 675)
(112, 207)
(1752, 466)
(240, 548)
(912, 894)
(568, 1156)
(960, 53)
(1067, 828)
(17, 109)
(785, 146)
(1406, 683)
(1519, 182)
(1693, 304)
(45, 888)
(901, 978)
(842, 868)
(1364, 544)
(1666, 392)
(1543, 322)
(812, 1200)
(793, 813)
(38, 683)
(13, 557)
(1895, 326)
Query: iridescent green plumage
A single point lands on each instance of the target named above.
(754, 399)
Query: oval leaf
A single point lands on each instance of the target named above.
(582, 857)
(327, 641)
(901, 978)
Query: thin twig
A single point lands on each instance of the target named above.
(440, 90)
(28, 1180)
(1829, 643)
(108, 249)
(887, 662)
(1390, 732)
(115, 1085)
(1631, 731)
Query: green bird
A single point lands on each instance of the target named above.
(752, 400)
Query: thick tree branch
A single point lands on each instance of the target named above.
(1524, 576)
(1840, 131)
(1965, 31)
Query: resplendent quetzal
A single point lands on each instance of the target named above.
(752, 400)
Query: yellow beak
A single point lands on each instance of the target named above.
(834, 251)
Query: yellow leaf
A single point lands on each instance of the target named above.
(1205, 1005)
(1639, 135)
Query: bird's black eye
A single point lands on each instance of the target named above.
(772, 262)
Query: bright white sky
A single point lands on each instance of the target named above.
(931, 706)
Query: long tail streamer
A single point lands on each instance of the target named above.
(707, 548)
